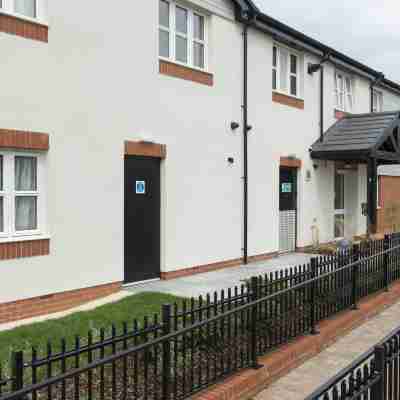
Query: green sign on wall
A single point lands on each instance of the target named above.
(286, 187)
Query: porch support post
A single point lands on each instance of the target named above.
(372, 194)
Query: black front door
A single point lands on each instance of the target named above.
(287, 209)
(142, 218)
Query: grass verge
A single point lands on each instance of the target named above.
(38, 334)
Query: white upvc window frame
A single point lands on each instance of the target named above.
(189, 36)
(377, 101)
(344, 95)
(8, 7)
(289, 74)
(9, 194)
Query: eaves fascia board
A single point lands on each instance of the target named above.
(291, 35)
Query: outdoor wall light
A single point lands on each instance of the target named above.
(312, 68)
(249, 128)
(234, 125)
(231, 160)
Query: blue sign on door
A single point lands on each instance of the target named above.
(286, 187)
(140, 187)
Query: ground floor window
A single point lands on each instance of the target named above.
(339, 216)
(22, 191)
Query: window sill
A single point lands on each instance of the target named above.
(288, 100)
(180, 71)
(22, 247)
(22, 26)
(23, 238)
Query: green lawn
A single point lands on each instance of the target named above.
(126, 310)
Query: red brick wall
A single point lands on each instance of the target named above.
(52, 303)
(389, 202)
(29, 248)
(200, 269)
(287, 100)
(13, 139)
(20, 27)
(186, 73)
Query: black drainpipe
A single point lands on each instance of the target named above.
(245, 147)
(321, 105)
(371, 97)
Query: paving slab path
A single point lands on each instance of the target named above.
(208, 282)
(302, 381)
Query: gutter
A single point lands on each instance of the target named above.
(291, 36)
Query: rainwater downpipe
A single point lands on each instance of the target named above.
(321, 105)
(245, 142)
(247, 19)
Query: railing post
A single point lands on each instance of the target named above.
(354, 273)
(313, 300)
(378, 390)
(166, 373)
(17, 370)
(386, 248)
(254, 297)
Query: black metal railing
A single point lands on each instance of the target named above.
(375, 375)
(199, 342)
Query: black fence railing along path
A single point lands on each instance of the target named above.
(193, 345)
(375, 375)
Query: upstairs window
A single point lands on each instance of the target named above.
(344, 92)
(182, 35)
(285, 71)
(377, 103)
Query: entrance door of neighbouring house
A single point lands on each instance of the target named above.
(142, 218)
(339, 212)
(287, 209)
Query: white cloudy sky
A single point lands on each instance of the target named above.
(367, 30)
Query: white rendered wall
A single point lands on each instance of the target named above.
(97, 84)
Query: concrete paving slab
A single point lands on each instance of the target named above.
(302, 381)
(208, 282)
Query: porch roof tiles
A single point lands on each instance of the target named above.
(359, 137)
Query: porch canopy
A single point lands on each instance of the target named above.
(372, 139)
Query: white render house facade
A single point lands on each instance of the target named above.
(138, 170)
